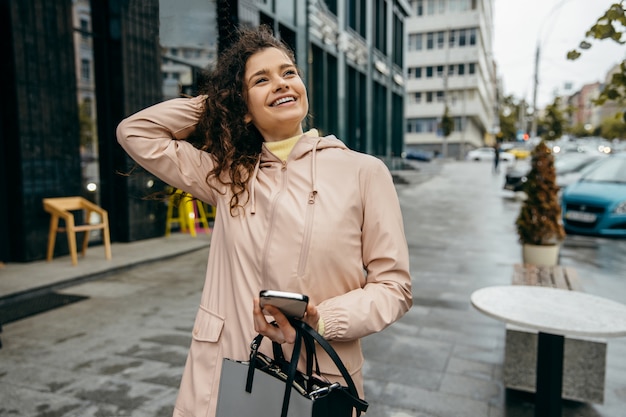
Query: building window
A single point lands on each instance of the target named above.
(440, 71)
(440, 39)
(84, 30)
(452, 96)
(451, 70)
(426, 124)
(461, 69)
(472, 36)
(462, 37)
(85, 69)
(429, 97)
(431, 124)
(430, 7)
(88, 105)
(417, 97)
(472, 68)
(429, 72)
(440, 96)
(415, 72)
(415, 42)
(380, 25)
(442, 6)
(459, 126)
(418, 7)
(430, 40)
(332, 6)
(452, 39)
(398, 41)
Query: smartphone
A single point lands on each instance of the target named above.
(291, 304)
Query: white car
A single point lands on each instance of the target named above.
(488, 154)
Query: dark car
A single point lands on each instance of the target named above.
(418, 155)
(568, 167)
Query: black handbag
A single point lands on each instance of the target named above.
(273, 387)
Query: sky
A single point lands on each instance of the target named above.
(557, 26)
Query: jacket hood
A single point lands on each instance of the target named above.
(306, 145)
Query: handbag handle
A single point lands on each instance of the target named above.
(359, 404)
(291, 371)
(308, 334)
(308, 331)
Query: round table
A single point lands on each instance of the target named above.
(554, 313)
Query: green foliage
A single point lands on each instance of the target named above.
(613, 127)
(508, 114)
(553, 121)
(539, 220)
(447, 123)
(612, 26)
(578, 130)
(615, 89)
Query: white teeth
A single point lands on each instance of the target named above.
(283, 100)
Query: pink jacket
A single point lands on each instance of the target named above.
(325, 223)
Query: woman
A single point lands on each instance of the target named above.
(295, 212)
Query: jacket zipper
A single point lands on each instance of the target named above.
(308, 228)
(270, 232)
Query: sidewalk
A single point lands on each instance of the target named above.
(21, 279)
(121, 350)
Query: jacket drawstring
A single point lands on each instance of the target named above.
(252, 187)
(313, 192)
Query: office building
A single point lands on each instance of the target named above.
(450, 63)
(70, 81)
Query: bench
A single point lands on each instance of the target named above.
(561, 277)
(584, 360)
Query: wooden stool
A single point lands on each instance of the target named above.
(63, 208)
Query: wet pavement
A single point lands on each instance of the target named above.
(121, 351)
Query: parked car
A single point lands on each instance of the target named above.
(419, 155)
(596, 203)
(569, 167)
(488, 154)
(519, 152)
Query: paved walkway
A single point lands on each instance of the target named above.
(120, 351)
(20, 279)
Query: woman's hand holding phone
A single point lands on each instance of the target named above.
(280, 330)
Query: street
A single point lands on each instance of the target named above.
(121, 351)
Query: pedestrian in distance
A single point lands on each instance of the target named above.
(296, 212)
(496, 158)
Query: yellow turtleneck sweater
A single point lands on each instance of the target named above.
(282, 148)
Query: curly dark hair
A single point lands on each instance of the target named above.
(234, 144)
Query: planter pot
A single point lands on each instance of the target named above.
(545, 255)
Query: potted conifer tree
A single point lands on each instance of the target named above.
(539, 223)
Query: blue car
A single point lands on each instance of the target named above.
(596, 203)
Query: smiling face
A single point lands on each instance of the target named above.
(275, 94)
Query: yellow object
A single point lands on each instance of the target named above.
(64, 208)
(282, 148)
(520, 153)
(189, 212)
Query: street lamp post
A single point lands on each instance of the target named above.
(533, 129)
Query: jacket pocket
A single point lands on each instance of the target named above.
(198, 387)
(208, 326)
